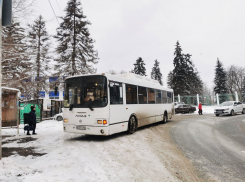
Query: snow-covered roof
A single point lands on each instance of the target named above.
(13, 89)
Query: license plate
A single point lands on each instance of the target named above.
(220, 112)
(81, 127)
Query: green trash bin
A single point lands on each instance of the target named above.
(26, 108)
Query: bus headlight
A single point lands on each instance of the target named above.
(104, 122)
(65, 120)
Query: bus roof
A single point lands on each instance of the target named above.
(131, 78)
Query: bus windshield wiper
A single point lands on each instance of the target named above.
(89, 106)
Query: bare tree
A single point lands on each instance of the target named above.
(23, 8)
(235, 80)
(206, 90)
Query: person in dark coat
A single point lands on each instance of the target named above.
(32, 120)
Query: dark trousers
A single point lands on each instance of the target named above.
(200, 111)
(34, 128)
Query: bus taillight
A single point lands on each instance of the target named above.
(104, 122)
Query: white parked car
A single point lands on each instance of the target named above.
(176, 104)
(229, 108)
(58, 117)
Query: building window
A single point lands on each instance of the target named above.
(164, 97)
(116, 93)
(158, 96)
(131, 94)
(142, 94)
(151, 96)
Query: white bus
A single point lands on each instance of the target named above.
(104, 104)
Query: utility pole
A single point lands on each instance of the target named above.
(5, 20)
(1, 79)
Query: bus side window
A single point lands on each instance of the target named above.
(116, 95)
(151, 96)
(164, 97)
(142, 94)
(169, 94)
(158, 96)
(131, 94)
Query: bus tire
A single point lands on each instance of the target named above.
(165, 117)
(59, 118)
(132, 125)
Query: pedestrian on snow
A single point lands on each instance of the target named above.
(32, 120)
(200, 108)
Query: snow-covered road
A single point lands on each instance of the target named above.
(70, 157)
(147, 155)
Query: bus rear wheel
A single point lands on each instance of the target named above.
(132, 125)
(165, 118)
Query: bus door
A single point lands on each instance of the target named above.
(117, 109)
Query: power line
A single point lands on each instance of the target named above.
(53, 11)
(59, 7)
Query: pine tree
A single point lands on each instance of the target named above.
(170, 80)
(76, 54)
(39, 41)
(16, 61)
(139, 67)
(179, 76)
(243, 89)
(220, 80)
(184, 78)
(194, 83)
(156, 72)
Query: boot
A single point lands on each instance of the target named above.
(28, 133)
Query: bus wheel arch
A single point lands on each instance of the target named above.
(132, 123)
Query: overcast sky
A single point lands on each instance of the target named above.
(127, 29)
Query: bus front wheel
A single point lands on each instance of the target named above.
(132, 125)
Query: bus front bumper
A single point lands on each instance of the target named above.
(87, 130)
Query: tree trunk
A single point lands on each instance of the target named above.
(74, 43)
(38, 63)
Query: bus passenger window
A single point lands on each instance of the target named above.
(151, 96)
(164, 97)
(142, 94)
(131, 94)
(169, 94)
(116, 95)
(158, 96)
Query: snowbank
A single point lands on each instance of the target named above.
(82, 158)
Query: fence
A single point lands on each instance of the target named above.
(208, 99)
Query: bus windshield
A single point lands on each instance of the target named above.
(86, 92)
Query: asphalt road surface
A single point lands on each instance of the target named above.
(214, 145)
